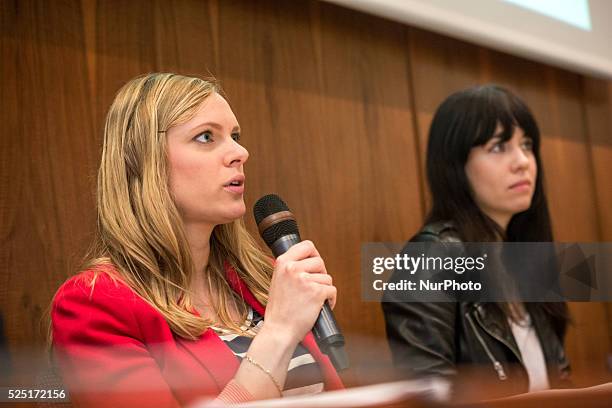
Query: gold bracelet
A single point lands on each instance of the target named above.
(268, 373)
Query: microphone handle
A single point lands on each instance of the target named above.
(330, 339)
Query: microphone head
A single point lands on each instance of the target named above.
(266, 206)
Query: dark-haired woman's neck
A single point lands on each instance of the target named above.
(501, 220)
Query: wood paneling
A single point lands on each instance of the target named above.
(335, 107)
(598, 112)
(51, 158)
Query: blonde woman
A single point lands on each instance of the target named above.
(170, 305)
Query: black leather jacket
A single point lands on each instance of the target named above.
(440, 338)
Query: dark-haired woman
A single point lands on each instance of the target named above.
(486, 180)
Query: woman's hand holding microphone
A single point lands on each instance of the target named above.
(300, 286)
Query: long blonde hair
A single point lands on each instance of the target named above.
(139, 230)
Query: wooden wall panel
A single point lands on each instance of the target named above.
(11, 151)
(439, 66)
(598, 111)
(50, 158)
(567, 161)
(335, 107)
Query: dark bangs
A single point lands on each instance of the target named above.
(498, 106)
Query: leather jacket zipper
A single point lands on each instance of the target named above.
(501, 340)
(496, 364)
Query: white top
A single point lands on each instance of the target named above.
(531, 352)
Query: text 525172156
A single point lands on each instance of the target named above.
(32, 394)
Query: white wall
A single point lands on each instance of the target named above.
(505, 26)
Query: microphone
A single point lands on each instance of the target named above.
(279, 230)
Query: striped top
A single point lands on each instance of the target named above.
(304, 375)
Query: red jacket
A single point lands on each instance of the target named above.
(114, 349)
